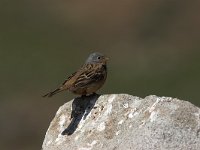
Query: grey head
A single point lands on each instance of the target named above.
(96, 57)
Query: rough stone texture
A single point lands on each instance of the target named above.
(123, 122)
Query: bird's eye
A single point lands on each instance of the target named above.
(99, 57)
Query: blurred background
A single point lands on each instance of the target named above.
(153, 45)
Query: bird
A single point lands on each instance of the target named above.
(86, 80)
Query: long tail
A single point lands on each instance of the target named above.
(50, 94)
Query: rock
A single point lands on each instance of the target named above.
(125, 122)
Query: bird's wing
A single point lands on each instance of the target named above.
(89, 74)
(69, 78)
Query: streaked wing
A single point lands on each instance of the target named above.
(69, 78)
(90, 73)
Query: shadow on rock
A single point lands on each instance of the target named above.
(81, 107)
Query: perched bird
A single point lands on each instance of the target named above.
(88, 79)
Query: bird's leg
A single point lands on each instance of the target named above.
(91, 94)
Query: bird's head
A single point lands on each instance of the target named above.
(97, 58)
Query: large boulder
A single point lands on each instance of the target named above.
(124, 122)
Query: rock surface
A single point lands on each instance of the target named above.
(125, 122)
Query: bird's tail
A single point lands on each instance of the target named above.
(50, 94)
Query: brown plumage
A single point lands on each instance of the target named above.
(88, 79)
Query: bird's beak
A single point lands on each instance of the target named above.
(107, 58)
